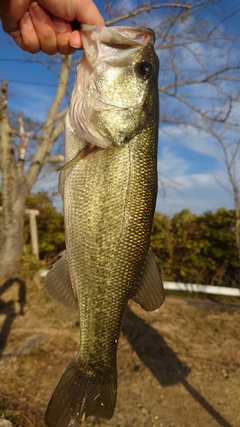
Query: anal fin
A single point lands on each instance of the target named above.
(150, 293)
(58, 285)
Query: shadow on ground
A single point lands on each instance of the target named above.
(162, 361)
(7, 309)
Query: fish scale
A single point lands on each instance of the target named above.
(107, 235)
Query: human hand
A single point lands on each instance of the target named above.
(46, 25)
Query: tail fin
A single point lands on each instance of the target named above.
(77, 396)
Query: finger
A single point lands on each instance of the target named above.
(84, 11)
(75, 40)
(88, 13)
(63, 45)
(11, 12)
(27, 38)
(62, 31)
(44, 28)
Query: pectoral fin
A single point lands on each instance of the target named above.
(84, 152)
(150, 293)
(61, 179)
(58, 285)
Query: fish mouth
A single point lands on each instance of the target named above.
(120, 37)
(101, 43)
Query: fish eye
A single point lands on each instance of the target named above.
(144, 69)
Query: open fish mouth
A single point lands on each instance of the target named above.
(102, 43)
(122, 37)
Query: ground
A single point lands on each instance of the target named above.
(178, 366)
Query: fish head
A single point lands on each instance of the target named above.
(116, 85)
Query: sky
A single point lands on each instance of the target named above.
(192, 174)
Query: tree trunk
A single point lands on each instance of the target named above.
(12, 242)
(13, 198)
(17, 183)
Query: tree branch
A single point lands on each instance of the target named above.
(46, 139)
(146, 8)
(204, 115)
(54, 159)
(58, 129)
(207, 79)
(62, 114)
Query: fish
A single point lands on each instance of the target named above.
(109, 188)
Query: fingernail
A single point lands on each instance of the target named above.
(27, 20)
(38, 12)
(75, 40)
(59, 24)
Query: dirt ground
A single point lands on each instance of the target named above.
(177, 367)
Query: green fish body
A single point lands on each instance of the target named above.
(109, 189)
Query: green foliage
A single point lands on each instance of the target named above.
(187, 247)
(29, 263)
(197, 249)
(50, 227)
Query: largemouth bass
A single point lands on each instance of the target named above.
(109, 188)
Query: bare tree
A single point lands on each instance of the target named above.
(18, 175)
(18, 179)
(199, 90)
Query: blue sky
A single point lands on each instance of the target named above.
(191, 171)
